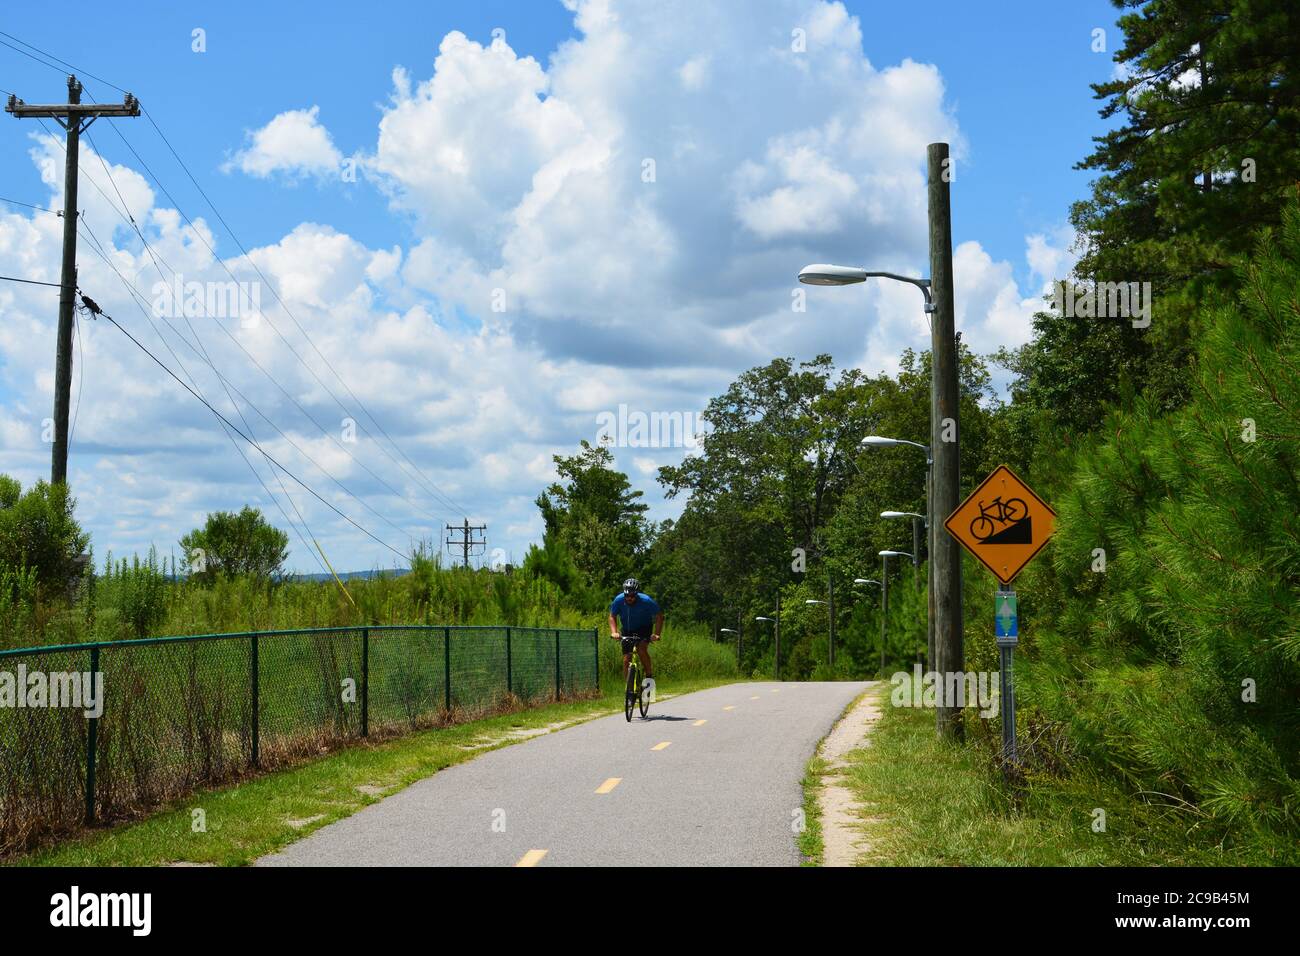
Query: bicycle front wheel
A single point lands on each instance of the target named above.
(629, 699)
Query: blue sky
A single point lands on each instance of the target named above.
(485, 179)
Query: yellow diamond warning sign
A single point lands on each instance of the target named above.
(1003, 523)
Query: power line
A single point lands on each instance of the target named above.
(90, 235)
(52, 285)
(204, 356)
(233, 428)
(30, 205)
(434, 491)
(98, 248)
(423, 480)
(138, 300)
(429, 482)
(56, 60)
(125, 215)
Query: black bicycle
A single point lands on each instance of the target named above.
(636, 691)
(998, 512)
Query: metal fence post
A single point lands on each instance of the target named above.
(595, 654)
(557, 663)
(510, 683)
(257, 701)
(365, 682)
(92, 742)
(446, 667)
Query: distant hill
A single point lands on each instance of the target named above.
(348, 575)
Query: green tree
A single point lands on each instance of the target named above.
(1209, 143)
(1178, 667)
(235, 544)
(39, 534)
(1205, 151)
(593, 519)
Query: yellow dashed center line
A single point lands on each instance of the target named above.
(699, 722)
(531, 858)
(663, 746)
(609, 784)
(730, 707)
(755, 697)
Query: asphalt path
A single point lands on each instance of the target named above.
(709, 779)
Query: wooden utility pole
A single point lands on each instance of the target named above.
(944, 424)
(75, 117)
(884, 607)
(467, 542)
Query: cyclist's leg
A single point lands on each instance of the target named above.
(643, 652)
(627, 662)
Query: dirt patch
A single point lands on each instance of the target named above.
(306, 821)
(844, 818)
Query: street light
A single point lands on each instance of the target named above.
(823, 273)
(945, 479)
(877, 441)
(917, 521)
(884, 596)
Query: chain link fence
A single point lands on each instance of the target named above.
(98, 732)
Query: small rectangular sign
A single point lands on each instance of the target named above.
(1005, 616)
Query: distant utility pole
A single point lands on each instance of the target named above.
(73, 116)
(467, 542)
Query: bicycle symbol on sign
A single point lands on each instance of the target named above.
(998, 512)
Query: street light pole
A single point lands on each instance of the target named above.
(944, 422)
(884, 588)
(884, 607)
(945, 470)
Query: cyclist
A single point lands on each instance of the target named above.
(638, 620)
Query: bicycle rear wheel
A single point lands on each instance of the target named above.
(642, 702)
(629, 699)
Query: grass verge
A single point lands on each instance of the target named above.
(261, 815)
(811, 848)
(943, 804)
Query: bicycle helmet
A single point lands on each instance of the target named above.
(631, 586)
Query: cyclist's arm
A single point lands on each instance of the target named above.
(613, 626)
(659, 627)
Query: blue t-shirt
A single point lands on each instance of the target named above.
(636, 618)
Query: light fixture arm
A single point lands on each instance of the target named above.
(922, 284)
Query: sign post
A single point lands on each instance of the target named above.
(1004, 525)
(1006, 630)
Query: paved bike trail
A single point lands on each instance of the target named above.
(722, 792)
